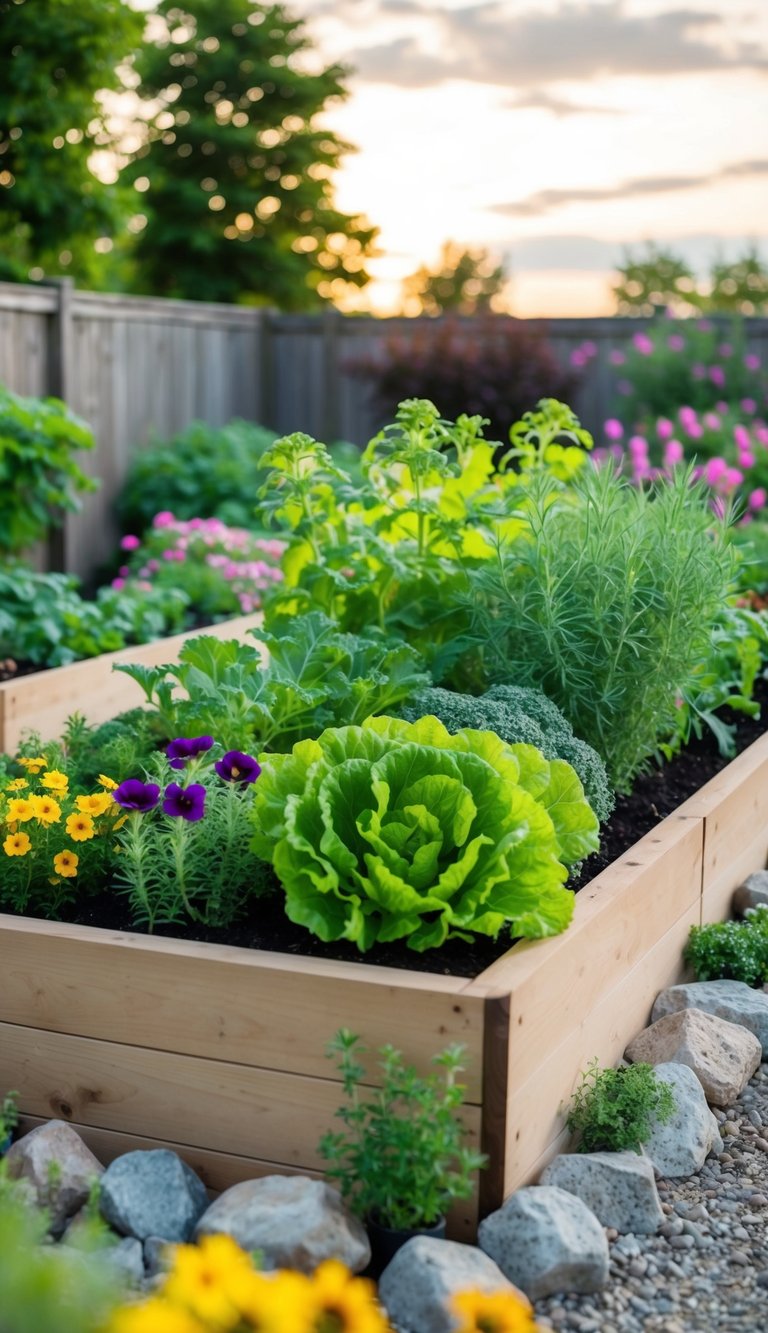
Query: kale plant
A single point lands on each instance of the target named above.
(614, 1110)
(735, 950)
(518, 716)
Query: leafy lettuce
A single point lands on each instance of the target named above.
(394, 829)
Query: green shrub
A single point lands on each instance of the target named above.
(398, 830)
(614, 1110)
(402, 1158)
(206, 471)
(39, 477)
(687, 363)
(606, 602)
(736, 950)
(518, 716)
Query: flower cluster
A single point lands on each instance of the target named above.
(47, 831)
(222, 569)
(214, 1288)
(187, 802)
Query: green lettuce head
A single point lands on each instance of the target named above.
(395, 829)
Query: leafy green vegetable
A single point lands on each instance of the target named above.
(614, 1110)
(395, 830)
(316, 676)
(736, 950)
(519, 716)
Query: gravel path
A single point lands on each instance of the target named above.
(707, 1269)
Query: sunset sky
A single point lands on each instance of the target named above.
(555, 133)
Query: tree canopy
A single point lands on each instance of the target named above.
(466, 281)
(660, 279)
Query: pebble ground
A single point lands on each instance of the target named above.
(707, 1269)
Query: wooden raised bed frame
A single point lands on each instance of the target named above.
(218, 1051)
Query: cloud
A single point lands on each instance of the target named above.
(591, 254)
(543, 201)
(493, 42)
(540, 100)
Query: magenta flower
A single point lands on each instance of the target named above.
(751, 361)
(757, 498)
(749, 406)
(117, 584)
(165, 519)
(698, 371)
(715, 470)
(638, 446)
(642, 344)
(578, 359)
(130, 543)
(616, 357)
(237, 767)
(742, 437)
(717, 376)
(136, 795)
(185, 802)
(725, 350)
(711, 421)
(184, 748)
(746, 458)
(613, 429)
(664, 428)
(733, 477)
(673, 453)
(675, 342)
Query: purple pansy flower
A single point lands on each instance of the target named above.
(185, 802)
(136, 795)
(237, 767)
(182, 749)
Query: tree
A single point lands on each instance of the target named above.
(740, 288)
(466, 281)
(55, 56)
(235, 175)
(661, 280)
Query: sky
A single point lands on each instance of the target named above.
(555, 133)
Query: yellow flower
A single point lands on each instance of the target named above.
(94, 804)
(65, 864)
(54, 780)
(154, 1316)
(493, 1312)
(279, 1302)
(120, 821)
(20, 809)
(205, 1277)
(16, 844)
(33, 765)
(107, 782)
(80, 827)
(45, 809)
(345, 1304)
(18, 784)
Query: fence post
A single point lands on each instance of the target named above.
(267, 396)
(60, 364)
(331, 331)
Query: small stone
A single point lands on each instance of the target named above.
(158, 1255)
(722, 1055)
(58, 1166)
(752, 893)
(546, 1241)
(680, 1147)
(127, 1259)
(618, 1187)
(732, 1000)
(417, 1287)
(294, 1222)
(152, 1194)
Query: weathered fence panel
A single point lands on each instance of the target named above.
(143, 368)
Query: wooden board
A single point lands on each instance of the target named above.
(43, 702)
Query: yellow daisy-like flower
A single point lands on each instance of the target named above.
(345, 1304)
(65, 864)
(276, 1302)
(20, 809)
(80, 827)
(95, 804)
(17, 844)
(33, 765)
(54, 780)
(18, 784)
(154, 1316)
(119, 823)
(493, 1312)
(206, 1278)
(45, 809)
(109, 783)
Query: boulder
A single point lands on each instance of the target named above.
(127, 1260)
(680, 1147)
(58, 1166)
(722, 1055)
(752, 893)
(732, 1000)
(546, 1241)
(293, 1221)
(417, 1287)
(618, 1187)
(152, 1194)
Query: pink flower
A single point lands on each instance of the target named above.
(164, 519)
(715, 470)
(616, 357)
(664, 428)
(642, 344)
(153, 566)
(143, 586)
(742, 437)
(746, 459)
(613, 429)
(638, 447)
(589, 348)
(733, 477)
(725, 350)
(717, 376)
(721, 407)
(693, 429)
(578, 359)
(705, 326)
(698, 371)
(687, 413)
(749, 406)
(751, 361)
(673, 453)
(130, 543)
(172, 553)
(117, 584)
(761, 434)
(675, 342)
(124, 571)
(757, 498)
(195, 523)
(711, 421)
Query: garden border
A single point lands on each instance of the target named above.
(218, 1051)
(44, 700)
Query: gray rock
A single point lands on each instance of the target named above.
(722, 1055)
(681, 1146)
(732, 1000)
(158, 1255)
(417, 1287)
(618, 1187)
(152, 1194)
(752, 893)
(294, 1222)
(58, 1166)
(127, 1259)
(546, 1240)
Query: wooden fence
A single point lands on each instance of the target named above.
(143, 368)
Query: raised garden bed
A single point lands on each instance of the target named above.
(43, 700)
(218, 1050)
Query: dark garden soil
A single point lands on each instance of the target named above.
(656, 795)
(10, 669)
